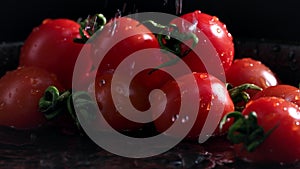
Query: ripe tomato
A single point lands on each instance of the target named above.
(287, 92)
(51, 46)
(216, 33)
(20, 92)
(247, 70)
(212, 97)
(281, 145)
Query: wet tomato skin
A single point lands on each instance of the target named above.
(213, 98)
(248, 70)
(119, 40)
(51, 46)
(20, 92)
(216, 33)
(285, 91)
(282, 145)
(107, 106)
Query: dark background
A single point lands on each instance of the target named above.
(267, 19)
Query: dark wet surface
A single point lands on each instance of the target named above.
(49, 149)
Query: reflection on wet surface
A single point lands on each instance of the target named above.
(53, 150)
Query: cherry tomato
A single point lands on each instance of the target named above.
(212, 98)
(51, 47)
(216, 33)
(20, 92)
(282, 119)
(287, 92)
(247, 70)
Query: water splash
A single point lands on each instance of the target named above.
(114, 25)
(178, 7)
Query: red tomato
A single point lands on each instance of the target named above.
(212, 97)
(282, 118)
(51, 46)
(287, 92)
(215, 31)
(247, 70)
(20, 92)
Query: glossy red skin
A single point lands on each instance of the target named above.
(282, 145)
(205, 93)
(128, 36)
(20, 92)
(248, 70)
(287, 92)
(51, 47)
(217, 33)
(103, 93)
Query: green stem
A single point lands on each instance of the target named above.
(171, 40)
(238, 94)
(90, 26)
(246, 130)
(54, 103)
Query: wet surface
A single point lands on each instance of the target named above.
(48, 149)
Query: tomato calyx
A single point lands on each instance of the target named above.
(245, 130)
(89, 26)
(53, 103)
(171, 40)
(238, 93)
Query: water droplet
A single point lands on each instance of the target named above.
(297, 123)
(34, 91)
(175, 117)
(185, 119)
(128, 27)
(214, 19)
(132, 65)
(276, 104)
(102, 82)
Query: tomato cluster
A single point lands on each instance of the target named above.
(269, 111)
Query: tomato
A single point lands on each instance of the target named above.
(51, 47)
(279, 120)
(212, 97)
(216, 33)
(248, 70)
(287, 92)
(20, 92)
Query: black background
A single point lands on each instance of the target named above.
(267, 19)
